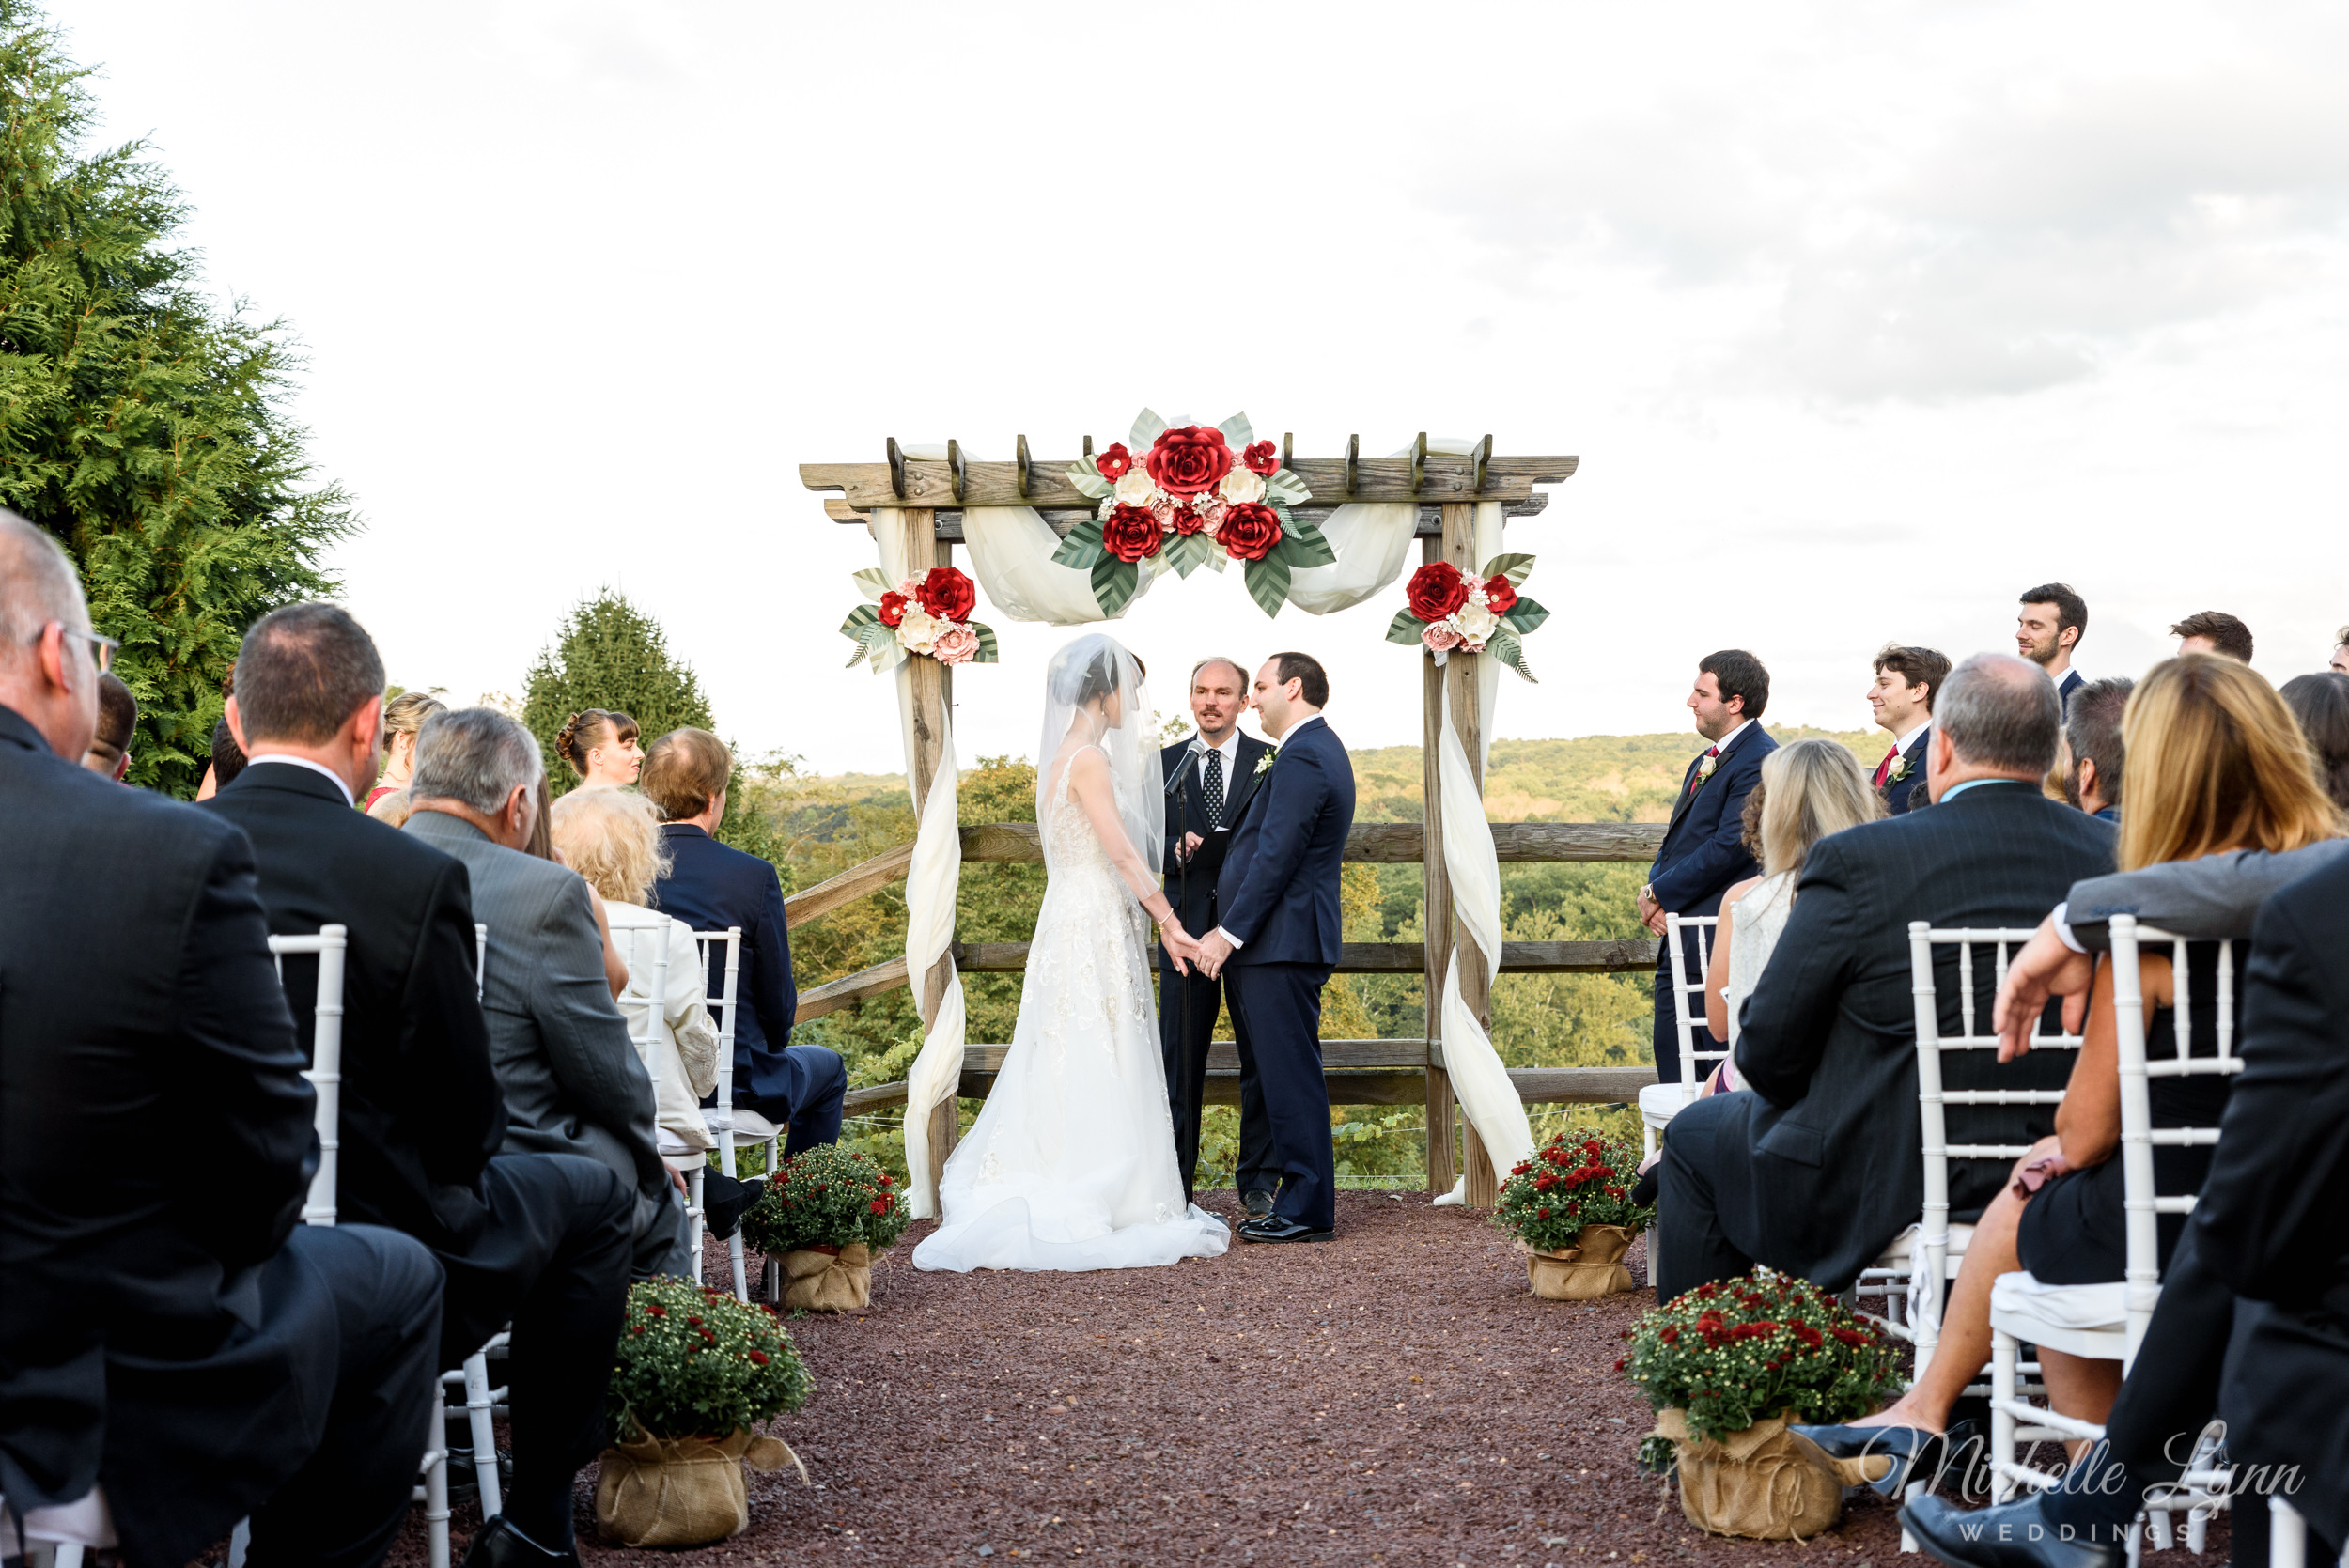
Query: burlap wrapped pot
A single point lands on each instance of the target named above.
(682, 1491)
(1755, 1482)
(829, 1278)
(1591, 1269)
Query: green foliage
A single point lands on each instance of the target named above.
(143, 426)
(693, 1361)
(1568, 1183)
(827, 1196)
(1744, 1350)
(611, 655)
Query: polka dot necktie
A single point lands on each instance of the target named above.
(1211, 790)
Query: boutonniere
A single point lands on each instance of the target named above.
(1264, 763)
(1898, 771)
(1704, 769)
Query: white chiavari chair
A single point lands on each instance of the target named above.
(1660, 1102)
(732, 1128)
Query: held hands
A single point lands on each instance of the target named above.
(2042, 969)
(1213, 951)
(1651, 912)
(1179, 946)
(1190, 846)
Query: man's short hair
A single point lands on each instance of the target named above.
(228, 757)
(2227, 634)
(38, 583)
(2000, 711)
(1739, 674)
(1304, 668)
(475, 756)
(117, 715)
(685, 770)
(2092, 727)
(303, 672)
(2071, 609)
(1926, 667)
(1232, 665)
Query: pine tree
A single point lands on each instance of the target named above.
(610, 655)
(138, 424)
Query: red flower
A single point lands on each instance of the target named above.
(1190, 461)
(1262, 459)
(1250, 530)
(693, 1322)
(1114, 463)
(893, 608)
(885, 1181)
(654, 1309)
(1520, 1167)
(947, 594)
(1500, 594)
(880, 1206)
(1808, 1335)
(1435, 590)
(1130, 533)
(1670, 1336)
(759, 1356)
(1542, 1213)
(1619, 1363)
(1188, 521)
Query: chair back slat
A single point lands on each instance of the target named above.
(649, 1038)
(329, 946)
(480, 958)
(1681, 932)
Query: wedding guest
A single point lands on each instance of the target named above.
(177, 1352)
(542, 846)
(1814, 1166)
(2321, 704)
(2213, 632)
(226, 763)
(2049, 626)
(403, 716)
(109, 754)
(711, 887)
(392, 809)
(538, 1240)
(1809, 790)
(602, 747)
(1703, 850)
(573, 1082)
(2340, 661)
(1901, 697)
(2094, 750)
(2215, 766)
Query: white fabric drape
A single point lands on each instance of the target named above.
(1373, 539)
(1011, 551)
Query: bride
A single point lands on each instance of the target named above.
(1071, 1164)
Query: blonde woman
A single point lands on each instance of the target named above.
(610, 838)
(602, 747)
(1808, 789)
(403, 716)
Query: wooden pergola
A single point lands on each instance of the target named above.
(926, 500)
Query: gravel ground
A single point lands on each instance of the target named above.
(1395, 1396)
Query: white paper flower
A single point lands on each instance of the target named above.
(1136, 488)
(1240, 485)
(1474, 621)
(918, 633)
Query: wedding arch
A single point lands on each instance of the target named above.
(1455, 499)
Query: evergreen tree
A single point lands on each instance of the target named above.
(141, 425)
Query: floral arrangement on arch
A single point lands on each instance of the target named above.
(927, 616)
(1187, 496)
(1447, 611)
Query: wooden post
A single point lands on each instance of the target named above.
(1476, 966)
(1438, 919)
(933, 695)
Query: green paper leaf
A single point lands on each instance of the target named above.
(1186, 554)
(1286, 487)
(875, 582)
(1504, 645)
(1309, 546)
(987, 654)
(1087, 479)
(1081, 548)
(859, 618)
(1525, 615)
(1147, 429)
(1236, 430)
(1513, 568)
(1114, 582)
(1405, 628)
(1268, 583)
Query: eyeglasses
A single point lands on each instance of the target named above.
(102, 649)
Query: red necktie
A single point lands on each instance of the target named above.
(1698, 777)
(1885, 768)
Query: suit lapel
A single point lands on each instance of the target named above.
(1688, 795)
(1241, 791)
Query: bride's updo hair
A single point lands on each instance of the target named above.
(1079, 684)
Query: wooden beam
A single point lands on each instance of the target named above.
(1348, 1086)
(1623, 955)
(849, 989)
(1389, 843)
(1062, 519)
(847, 887)
(931, 484)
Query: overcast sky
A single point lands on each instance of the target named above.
(1862, 318)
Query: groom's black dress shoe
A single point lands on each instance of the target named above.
(2018, 1534)
(499, 1545)
(1910, 1450)
(1258, 1203)
(1271, 1227)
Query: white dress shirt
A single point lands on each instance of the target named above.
(318, 768)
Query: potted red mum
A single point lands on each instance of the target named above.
(826, 1216)
(1570, 1210)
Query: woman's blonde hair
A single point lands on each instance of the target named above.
(406, 713)
(609, 837)
(1813, 788)
(2215, 761)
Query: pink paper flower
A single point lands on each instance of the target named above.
(957, 644)
(1438, 639)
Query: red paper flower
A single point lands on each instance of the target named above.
(1249, 529)
(947, 594)
(1188, 521)
(1190, 461)
(1500, 594)
(1130, 533)
(1114, 463)
(893, 608)
(1262, 459)
(1435, 590)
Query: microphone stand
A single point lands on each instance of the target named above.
(1195, 1085)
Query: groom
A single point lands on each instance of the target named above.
(1279, 938)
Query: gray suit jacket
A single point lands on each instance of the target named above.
(2214, 897)
(573, 1082)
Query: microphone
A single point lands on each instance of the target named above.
(1190, 759)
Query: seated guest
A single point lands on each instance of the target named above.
(2340, 660)
(1809, 790)
(2214, 766)
(540, 1240)
(2213, 632)
(711, 887)
(2321, 704)
(391, 810)
(226, 763)
(1815, 1167)
(573, 1082)
(177, 1352)
(403, 716)
(1902, 698)
(109, 754)
(2093, 751)
(542, 844)
(602, 747)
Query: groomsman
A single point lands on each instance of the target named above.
(1209, 779)
(1703, 847)
(1902, 696)
(2048, 626)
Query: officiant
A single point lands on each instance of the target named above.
(1208, 779)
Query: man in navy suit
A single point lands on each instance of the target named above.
(1704, 848)
(1902, 698)
(2048, 626)
(1209, 779)
(1279, 938)
(711, 887)
(2093, 749)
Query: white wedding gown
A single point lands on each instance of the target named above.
(1071, 1165)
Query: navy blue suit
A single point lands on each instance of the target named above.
(2073, 680)
(1279, 898)
(711, 887)
(1902, 795)
(1703, 853)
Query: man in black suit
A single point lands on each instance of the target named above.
(1704, 849)
(2049, 626)
(1209, 779)
(540, 1240)
(1817, 1165)
(1901, 697)
(169, 1335)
